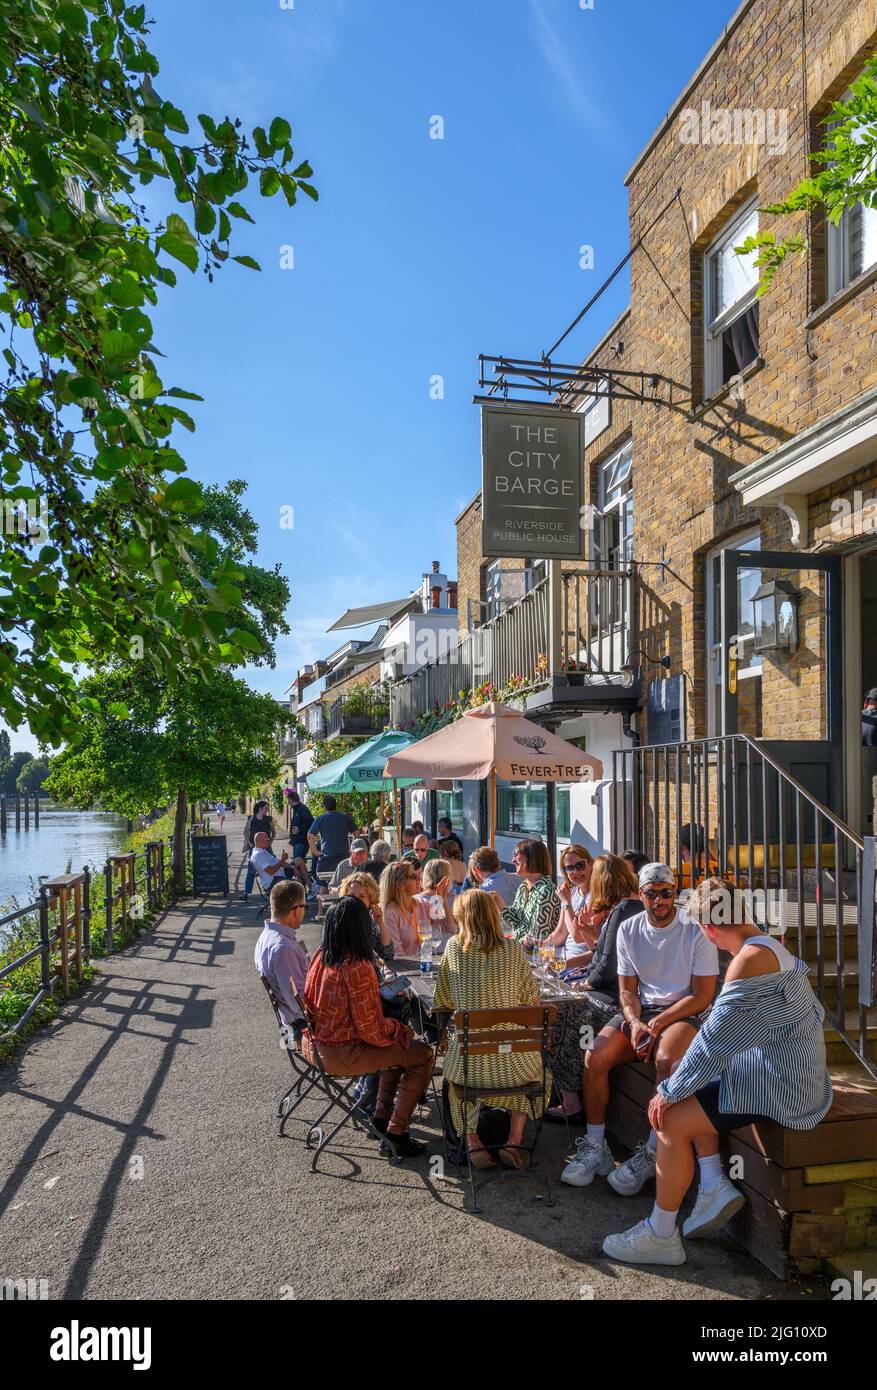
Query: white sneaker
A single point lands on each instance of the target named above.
(591, 1158)
(632, 1176)
(712, 1209)
(640, 1246)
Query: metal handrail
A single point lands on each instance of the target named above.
(752, 821)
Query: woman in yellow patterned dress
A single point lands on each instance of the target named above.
(480, 969)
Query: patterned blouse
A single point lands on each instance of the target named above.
(346, 1005)
(472, 980)
(535, 913)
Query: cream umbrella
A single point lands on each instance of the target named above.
(489, 741)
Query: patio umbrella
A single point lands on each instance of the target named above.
(362, 770)
(494, 740)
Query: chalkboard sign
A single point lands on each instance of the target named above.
(209, 864)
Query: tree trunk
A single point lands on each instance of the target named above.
(178, 859)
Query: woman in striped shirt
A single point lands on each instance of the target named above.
(759, 1055)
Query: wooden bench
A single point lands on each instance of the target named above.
(811, 1194)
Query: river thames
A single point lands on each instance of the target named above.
(73, 838)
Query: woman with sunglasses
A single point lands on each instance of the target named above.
(578, 924)
(402, 910)
(613, 892)
(534, 915)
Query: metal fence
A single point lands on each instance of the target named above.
(78, 916)
(723, 806)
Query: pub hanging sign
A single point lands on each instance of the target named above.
(531, 484)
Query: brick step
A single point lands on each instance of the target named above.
(837, 1050)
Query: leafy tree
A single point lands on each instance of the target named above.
(847, 176)
(144, 740)
(5, 755)
(32, 775)
(173, 742)
(109, 567)
(17, 763)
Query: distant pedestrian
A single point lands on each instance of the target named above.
(220, 811)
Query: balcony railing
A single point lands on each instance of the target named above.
(366, 712)
(590, 639)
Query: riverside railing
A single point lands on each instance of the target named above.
(63, 919)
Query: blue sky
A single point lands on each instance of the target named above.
(420, 254)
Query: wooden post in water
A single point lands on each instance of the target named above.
(36, 809)
(2, 813)
(27, 810)
(18, 810)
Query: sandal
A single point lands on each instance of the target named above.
(481, 1158)
(515, 1158)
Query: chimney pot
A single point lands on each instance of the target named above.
(435, 566)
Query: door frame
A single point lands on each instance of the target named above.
(830, 563)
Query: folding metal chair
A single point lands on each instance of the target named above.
(493, 1033)
(337, 1089)
(307, 1077)
(264, 904)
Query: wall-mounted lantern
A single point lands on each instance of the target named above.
(775, 617)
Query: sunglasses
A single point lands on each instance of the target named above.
(665, 894)
(577, 867)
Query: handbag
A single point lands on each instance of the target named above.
(395, 1001)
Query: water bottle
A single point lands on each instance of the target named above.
(426, 957)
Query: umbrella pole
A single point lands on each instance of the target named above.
(493, 808)
(381, 815)
(396, 818)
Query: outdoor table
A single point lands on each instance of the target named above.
(423, 988)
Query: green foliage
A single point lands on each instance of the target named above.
(87, 422)
(204, 737)
(848, 176)
(32, 775)
(326, 751)
(278, 800)
(14, 768)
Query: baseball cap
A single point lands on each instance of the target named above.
(656, 873)
(359, 844)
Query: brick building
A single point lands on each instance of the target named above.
(762, 436)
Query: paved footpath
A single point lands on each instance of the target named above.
(139, 1158)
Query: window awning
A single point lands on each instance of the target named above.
(375, 613)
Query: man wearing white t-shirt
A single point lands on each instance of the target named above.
(667, 974)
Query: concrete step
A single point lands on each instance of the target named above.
(853, 1274)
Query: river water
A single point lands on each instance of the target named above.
(64, 837)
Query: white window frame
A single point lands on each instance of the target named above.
(839, 243)
(597, 412)
(715, 652)
(715, 325)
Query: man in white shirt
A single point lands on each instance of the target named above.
(667, 975)
(263, 859)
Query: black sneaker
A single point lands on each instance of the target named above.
(405, 1146)
(379, 1125)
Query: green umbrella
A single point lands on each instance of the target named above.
(362, 769)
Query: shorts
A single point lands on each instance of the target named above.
(647, 1014)
(722, 1122)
